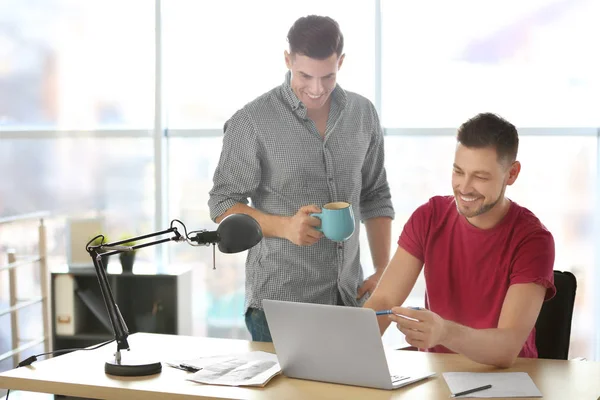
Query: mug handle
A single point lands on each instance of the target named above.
(320, 216)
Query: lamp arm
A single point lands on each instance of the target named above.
(120, 329)
(116, 247)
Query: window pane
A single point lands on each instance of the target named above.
(532, 61)
(67, 64)
(218, 56)
(111, 178)
(218, 302)
(561, 194)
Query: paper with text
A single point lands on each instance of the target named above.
(255, 368)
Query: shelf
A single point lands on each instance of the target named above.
(86, 336)
(148, 302)
(140, 268)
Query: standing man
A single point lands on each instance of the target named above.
(297, 147)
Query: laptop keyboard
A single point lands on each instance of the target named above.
(398, 378)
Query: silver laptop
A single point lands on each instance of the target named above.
(332, 344)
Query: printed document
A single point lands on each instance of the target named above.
(254, 368)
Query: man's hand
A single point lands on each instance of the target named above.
(369, 284)
(301, 227)
(423, 328)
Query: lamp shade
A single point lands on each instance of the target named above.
(238, 232)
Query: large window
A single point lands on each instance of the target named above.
(532, 61)
(78, 133)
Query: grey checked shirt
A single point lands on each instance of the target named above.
(274, 155)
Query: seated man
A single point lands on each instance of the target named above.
(488, 261)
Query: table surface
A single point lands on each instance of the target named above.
(81, 373)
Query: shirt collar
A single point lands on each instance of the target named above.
(338, 96)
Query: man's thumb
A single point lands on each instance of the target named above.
(309, 209)
(361, 292)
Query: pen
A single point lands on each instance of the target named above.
(477, 389)
(386, 312)
(188, 367)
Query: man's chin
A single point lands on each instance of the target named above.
(467, 213)
(315, 105)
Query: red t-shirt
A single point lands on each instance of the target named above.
(468, 270)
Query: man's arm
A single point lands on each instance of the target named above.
(298, 229)
(379, 233)
(271, 225)
(376, 206)
(395, 284)
(499, 346)
(237, 178)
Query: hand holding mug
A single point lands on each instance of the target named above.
(301, 229)
(337, 221)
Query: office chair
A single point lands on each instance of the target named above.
(553, 326)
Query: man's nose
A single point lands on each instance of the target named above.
(466, 185)
(317, 87)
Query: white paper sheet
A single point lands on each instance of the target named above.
(255, 368)
(504, 384)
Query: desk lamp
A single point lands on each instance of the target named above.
(235, 233)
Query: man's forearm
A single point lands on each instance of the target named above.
(499, 347)
(395, 284)
(379, 233)
(380, 303)
(271, 225)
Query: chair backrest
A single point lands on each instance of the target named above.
(553, 326)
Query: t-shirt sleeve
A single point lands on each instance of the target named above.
(414, 235)
(534, 262)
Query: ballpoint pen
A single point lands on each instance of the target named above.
(477, 389)
(188, 367)
(386, 312)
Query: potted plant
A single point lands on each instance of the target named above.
(128, 257)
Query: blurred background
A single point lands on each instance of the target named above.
(115, 109)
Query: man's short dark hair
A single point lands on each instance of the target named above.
(490, 130)
(316, 37)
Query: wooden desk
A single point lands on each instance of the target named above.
(82, 374)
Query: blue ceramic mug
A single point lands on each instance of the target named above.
(337, 221)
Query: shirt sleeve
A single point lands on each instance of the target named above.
(534, 262)
(237, 175)
(375, 198)
(413, 238)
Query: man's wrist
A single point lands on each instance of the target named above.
(282, 223)
(379, 270)
(449, 332)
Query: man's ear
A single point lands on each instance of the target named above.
(288, 59)
(513, 172)
(341, 61)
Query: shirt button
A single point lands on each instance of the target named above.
(330, 179)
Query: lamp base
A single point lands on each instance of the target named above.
(119, 367)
